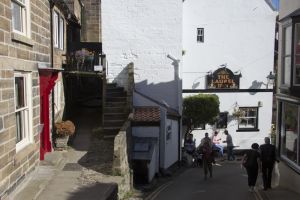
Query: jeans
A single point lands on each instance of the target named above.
(230, 155)
(220, 149)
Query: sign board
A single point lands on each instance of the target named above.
(223, 78)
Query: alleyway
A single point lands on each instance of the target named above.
(229, 182)
(81, 172)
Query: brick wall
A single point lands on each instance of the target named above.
(91, 31)
(20, 53)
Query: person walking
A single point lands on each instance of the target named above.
(216, 143)
(268, 158)
(207, 158)
(251, 161)
(230, 155)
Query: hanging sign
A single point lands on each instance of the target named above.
(223, 78)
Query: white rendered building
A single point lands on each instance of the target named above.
(229, 51)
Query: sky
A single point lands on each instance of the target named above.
(276, 4)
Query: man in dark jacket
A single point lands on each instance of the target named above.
(268, 158)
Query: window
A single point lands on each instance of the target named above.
(290, 132)
(297, 55)
(58, 30)
(22, 109)
(249, 120)
(286, 55)
(200, 34)
(20, 16)
(61, 33)
(222, 120)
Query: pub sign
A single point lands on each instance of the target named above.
(223, 78)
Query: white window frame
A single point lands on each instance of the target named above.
(25, 17)
(286, 75)
(200, 35)
(61, 33)
(56, 29)
(25, 111)
(255, 128)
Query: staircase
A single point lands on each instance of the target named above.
(115, 109)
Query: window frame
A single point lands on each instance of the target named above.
(281, 127)
(200, 35)
(26, 110)
(254, 129)
(24, 15)
(283, 55)
(58, 30)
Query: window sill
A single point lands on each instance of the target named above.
(248, 130)
(21, 39)
(23, 153)
(290, 164)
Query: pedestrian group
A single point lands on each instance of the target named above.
(257, 159)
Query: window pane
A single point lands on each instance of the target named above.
(55, 29)
(19, 91)
(19, 124)
(287, 71)
(61, 33)
(17, 17)
(297, 39)
(290, 132)
(288, 40)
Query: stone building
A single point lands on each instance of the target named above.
(33, 41)
(24, 44)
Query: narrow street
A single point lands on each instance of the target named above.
(229, 182)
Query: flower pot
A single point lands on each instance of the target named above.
(62, 142)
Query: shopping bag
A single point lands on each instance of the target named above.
(275, 175)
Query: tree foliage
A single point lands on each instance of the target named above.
(200, 109)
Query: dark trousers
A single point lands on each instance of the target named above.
(207, 166)
(267, 169)
(252, 175)
(230, 155)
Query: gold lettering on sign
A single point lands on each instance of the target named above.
(223, 81)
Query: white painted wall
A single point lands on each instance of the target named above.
(171, 144)
(144, 32)
(149, 131)
(241, 34)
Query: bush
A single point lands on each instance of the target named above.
(64, 128)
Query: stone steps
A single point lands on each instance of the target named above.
(114, 113)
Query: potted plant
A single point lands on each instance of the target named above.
(63, 130)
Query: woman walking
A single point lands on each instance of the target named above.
(251, 161)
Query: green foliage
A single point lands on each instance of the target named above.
(200, 109)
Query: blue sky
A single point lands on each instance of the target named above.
(276, 4)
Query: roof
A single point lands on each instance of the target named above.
(269, 2)
(146, 115)
(292, 14)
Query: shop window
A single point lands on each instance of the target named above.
(249, 120)
(290, 132)
(22, 109)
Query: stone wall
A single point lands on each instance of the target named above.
(121, 162)
(20, 53)
(91, 22)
